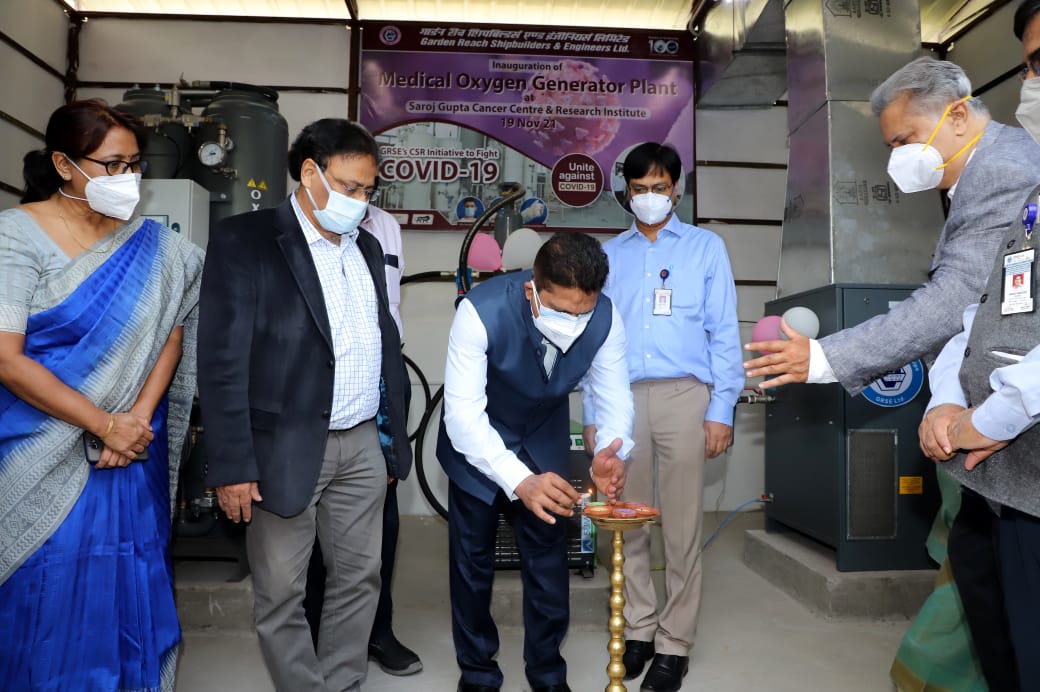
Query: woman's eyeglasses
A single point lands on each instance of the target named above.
(120, 167)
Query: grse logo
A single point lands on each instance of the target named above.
(897, 387)
(422, 219)
(664, 46)
(390, 35)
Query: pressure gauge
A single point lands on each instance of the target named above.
(211, 154)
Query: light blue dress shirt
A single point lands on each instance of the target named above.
(1014, 405)
(700, 337)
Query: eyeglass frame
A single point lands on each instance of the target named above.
(140, 164)
(657, 189)
(1031, 65)
(370, 194)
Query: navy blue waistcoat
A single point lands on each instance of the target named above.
(529, 410)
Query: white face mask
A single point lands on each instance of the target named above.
(915, 167)
(341, 214)
(112, 195)
(651, 208)
(1028, 113)
(919, 166)
(558, 327)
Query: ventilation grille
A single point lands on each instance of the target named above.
(873, 485)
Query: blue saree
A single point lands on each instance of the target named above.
(86, 581)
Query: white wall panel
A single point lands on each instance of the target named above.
(110, 96)
(738, 475)
(990, 48)
(28, 93)
(427, 310)
(1002, 101)
(16, 144)
(164, 49)
(754, 251)
(757, 135)
(301, 108)
(7, 200)
(39, 27)
(740, 193)
(751, 302)
(986, 52)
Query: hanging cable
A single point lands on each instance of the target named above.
(763, 499)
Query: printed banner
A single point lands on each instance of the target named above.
(460, 110)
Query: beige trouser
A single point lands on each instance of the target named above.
(666, 470)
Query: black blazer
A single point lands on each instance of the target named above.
(266, 361)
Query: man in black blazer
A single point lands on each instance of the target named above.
(302, 392)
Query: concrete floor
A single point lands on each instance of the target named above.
(751, 636)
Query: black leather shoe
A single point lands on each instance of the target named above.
(552, 688)
(666, 673)
(470, 687)
(394, 657)
(637, 653)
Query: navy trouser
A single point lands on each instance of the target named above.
(973, 550)
(1020, 569)
(472, 526)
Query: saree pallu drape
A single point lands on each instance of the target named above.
(937, 654)
(86, 581)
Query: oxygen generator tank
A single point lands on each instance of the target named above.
(241, 151)
(169, 150)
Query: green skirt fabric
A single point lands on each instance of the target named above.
(937, 654)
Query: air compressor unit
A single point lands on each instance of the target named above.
(848, 471)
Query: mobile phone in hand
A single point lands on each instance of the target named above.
(93, 446)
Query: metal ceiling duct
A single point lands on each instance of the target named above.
(845, 220)
(741, 57)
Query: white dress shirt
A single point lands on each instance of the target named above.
(387, 231)
(465, 399)
(820, 371)
(1014, 404)
(351, 304)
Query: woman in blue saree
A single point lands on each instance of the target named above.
(97, 314)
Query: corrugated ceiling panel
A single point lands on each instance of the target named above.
(322, 9)
(659, 14)
(940, 19)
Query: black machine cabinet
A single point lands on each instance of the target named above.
(848, 471)
(581, 536)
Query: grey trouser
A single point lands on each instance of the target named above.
(346, 514)
(666, 469)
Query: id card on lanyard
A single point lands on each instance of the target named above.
(1017, 285)
(663, 297)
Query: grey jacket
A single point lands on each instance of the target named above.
(1011, 476)
(1006, 164)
